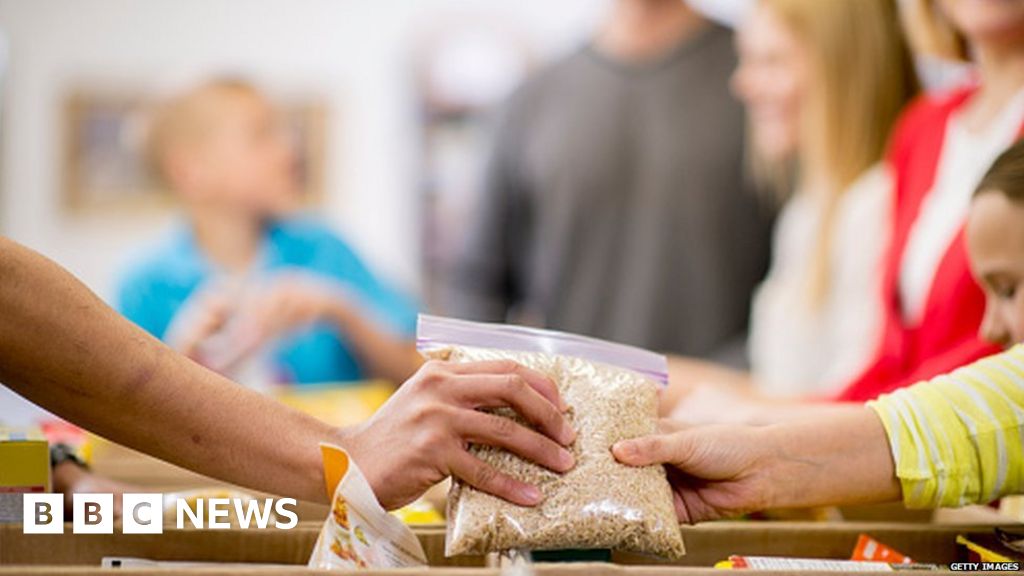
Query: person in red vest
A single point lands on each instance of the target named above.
(939, 150)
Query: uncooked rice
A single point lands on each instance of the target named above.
(600, 503)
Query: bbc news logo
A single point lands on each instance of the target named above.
(144, 513)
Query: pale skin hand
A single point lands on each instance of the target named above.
(701, 392)
(725, 471)
(687, 374)
(289, 302)
(294, 301)
(204, 314)
(64, 349)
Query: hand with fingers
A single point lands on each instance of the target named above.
(291, 301)
(202, 316)
(715, 471)
(224, 322)
(840, 456)
(422, 434)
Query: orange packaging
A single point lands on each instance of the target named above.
(870, 550)
(358, 533)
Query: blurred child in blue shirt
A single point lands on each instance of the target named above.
(244, 286)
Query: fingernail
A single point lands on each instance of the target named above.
(531, 494)
(568, 433)
(566, 460)
(626, 449)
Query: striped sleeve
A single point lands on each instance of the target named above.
(959, 439)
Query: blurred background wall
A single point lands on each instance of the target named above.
(358, 56)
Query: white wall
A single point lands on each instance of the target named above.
(356, 52)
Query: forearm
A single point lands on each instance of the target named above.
(386, 355)
(62, 348)
(840, 459)
(686, 374)
(767, 411)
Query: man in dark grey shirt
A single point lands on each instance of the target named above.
(615, 203)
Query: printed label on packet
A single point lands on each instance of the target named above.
(871, 550)
(798, 564)
(359, 533)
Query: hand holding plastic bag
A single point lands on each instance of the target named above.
(420, 436)
(612, 393)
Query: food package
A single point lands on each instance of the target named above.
(24, 469)
(358, 532)
(788, 565)
(612, 394)
(870, 550)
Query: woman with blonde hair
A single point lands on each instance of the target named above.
(950, 441)
(932, 307)
(823, 83)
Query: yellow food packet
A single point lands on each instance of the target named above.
(419, 513)
(359, 533)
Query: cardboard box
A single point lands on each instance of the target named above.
(706, 544)
(25, 455)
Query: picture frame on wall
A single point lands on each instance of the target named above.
(106, 166)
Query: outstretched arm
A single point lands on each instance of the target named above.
(951, 441)
(723, 471)
(62, 348)
(387, 355)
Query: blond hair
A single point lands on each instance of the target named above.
(862, 75)
(931, 32)
(182, 120)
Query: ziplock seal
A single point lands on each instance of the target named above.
(433, 332)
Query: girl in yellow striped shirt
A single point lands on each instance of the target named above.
(955, 440)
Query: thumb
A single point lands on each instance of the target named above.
(647, 450)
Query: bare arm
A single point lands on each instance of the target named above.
(386, 355)
(722, 471)
(701, 392)
(62, 348)
(688, 374)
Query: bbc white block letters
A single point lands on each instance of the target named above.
(43, 514)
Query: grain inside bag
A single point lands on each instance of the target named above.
(612, 392)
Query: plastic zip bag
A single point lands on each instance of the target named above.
(612, 393)
(436, 333)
